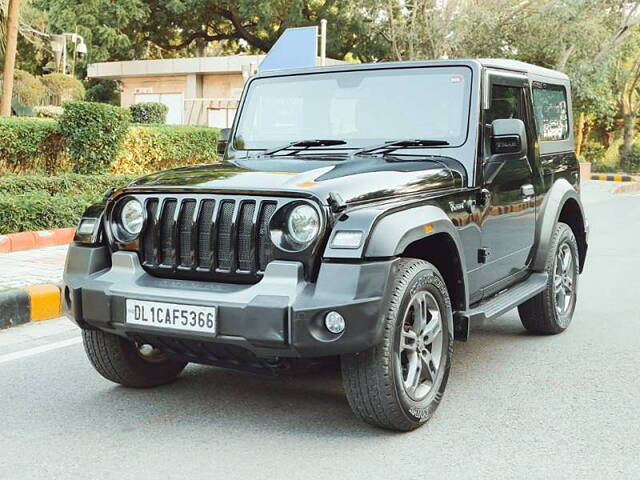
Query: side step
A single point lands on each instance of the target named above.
(500, 303)
(508, 299)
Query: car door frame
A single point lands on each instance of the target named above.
(519, 80)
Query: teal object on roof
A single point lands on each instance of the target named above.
(296, 48)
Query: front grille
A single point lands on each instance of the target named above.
(212, 238)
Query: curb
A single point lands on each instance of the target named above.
(626, 188)
(14, 242)
(614, 178)
(29, 304)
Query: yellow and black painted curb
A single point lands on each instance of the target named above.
(614, 178)
(29, 304)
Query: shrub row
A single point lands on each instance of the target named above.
(67, 184)
(152, 148)
(36, 202)
(97, 138)
(30, 90)
(31, 145)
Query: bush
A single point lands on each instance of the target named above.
(95, 132)
(28, 89)
(152, 148)
(39, 211)
(48, 111)
(67, 184)
(37, 202)
(149, 112)
(631, 162)
(593, 152)
(31, 145)
(63, 87)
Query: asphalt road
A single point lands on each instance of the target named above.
(517, 405)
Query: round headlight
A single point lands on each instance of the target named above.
(132, 217)
(303, 224)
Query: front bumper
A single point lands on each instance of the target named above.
(280, 316)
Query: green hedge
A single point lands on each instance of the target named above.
(149, 112)
(39, 211)
(95, 132)
(38, 145)
(31, 145)
(37, 202)
(157, 147)
(69, 184)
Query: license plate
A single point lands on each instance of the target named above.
(175, 316)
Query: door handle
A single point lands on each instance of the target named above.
(527, 190)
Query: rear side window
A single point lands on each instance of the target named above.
(551, 111)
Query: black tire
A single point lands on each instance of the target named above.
(119, 360)
(543, 314)
(374, 379)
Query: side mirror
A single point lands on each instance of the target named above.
(223, 140)
(508, 136)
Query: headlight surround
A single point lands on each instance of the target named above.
(128, 220)
(295, 227)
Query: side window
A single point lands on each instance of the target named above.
(506, 102)
(551, 112)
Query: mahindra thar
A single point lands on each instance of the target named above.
(369, 213)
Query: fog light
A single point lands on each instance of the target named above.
(334, 322)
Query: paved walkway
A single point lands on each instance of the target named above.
(31, 267)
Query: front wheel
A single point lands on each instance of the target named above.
(128, 363)
(551, 311)
(399, 383)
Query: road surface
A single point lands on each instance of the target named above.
(517, 405)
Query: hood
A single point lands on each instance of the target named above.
(357, 179)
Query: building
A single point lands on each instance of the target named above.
(198, 91)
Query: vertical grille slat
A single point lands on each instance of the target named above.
(167, 240)
(208, 237)
(150, 243)
(245, 237)
(263, 247)
(205, 222)
(224, 249)
(185, 225)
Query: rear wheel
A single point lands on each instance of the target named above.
(551, 311)
(399, 383)
(128, 363)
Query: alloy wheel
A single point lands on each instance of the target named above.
(564, 280)
(421, 343)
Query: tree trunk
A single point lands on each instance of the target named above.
(579, 134)
(9, 58)
(627, 144)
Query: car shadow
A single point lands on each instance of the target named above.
(312, 403)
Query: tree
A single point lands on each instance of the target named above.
(11, 36)
(626, 83)
(111, 29)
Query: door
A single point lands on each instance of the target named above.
(508, 223)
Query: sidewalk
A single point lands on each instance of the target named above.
(32, 267)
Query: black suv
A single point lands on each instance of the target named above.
(366, 212)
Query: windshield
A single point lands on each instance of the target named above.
(362, 107)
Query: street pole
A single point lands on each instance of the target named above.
(323, 42)
(9, 58)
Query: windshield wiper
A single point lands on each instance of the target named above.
(393, 145)
(304, 145)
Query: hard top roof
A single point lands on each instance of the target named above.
(497, 63)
